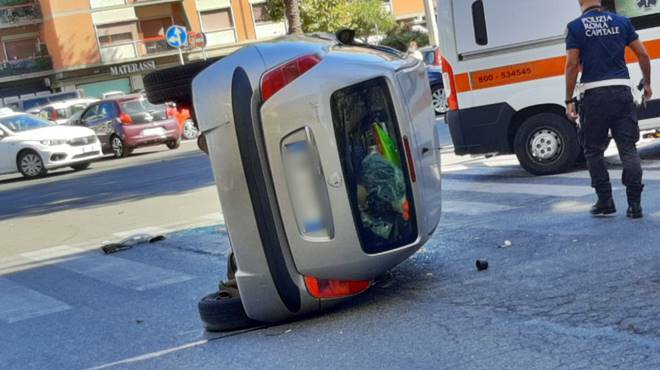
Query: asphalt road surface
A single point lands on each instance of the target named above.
(570, 291)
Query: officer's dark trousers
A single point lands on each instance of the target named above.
(612, 109)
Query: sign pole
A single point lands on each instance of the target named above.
(181, 57)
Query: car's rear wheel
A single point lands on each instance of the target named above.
(223, 311)
(190, 131)
(119, 149)
(547, 144)
(440, 104)
(81, 166)
(173, 144)
(30, 164)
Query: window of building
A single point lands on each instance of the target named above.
(155, 27)
(216, 20)
(261, 14)
(21, 49)
(116, 33)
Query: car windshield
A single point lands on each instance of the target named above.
(24, 122)
(140, 106)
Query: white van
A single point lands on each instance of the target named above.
(504, 63)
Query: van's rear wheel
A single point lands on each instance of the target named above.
(547, 144)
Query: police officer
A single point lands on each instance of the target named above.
(596, 42)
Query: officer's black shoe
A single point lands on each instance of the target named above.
(635, 211)
(604, 207)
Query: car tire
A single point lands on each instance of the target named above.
(174, 84)
(547, 144)
(439, 98)
(173, 144)
(81, 166)
(119, 149)
(190, 131)
(30, 164)
(223, 311)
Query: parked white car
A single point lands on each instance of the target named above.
(61, 112)
(33, 146)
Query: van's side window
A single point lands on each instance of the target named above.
(642, 14)
(479, 22)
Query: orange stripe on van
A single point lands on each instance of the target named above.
(518, 73)
(462, 82)
(530, 71)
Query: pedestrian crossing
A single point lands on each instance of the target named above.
(472, 193)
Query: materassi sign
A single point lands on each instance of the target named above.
(132, 68)
(637, 8)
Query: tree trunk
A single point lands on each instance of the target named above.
(293, 16)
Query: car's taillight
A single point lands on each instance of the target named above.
(411, 162)
(437, 60)
(125, 119)
(276, 79)
(321, 288)
(450, 85)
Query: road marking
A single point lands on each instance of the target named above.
(155, 231)
(517, 188)
(20, 303)
(473, 208)
(108, 269)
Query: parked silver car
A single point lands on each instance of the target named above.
(327, 165)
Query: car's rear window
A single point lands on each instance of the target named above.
(374, 166)
(140, 106)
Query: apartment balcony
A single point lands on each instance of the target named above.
(140, 49)
(15, 13)
(99, 4)
(25, 66)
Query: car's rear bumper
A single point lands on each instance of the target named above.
(145, 140)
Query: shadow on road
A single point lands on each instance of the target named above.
(167, 177)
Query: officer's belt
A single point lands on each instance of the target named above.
(605, 83)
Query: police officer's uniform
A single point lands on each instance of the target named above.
(607, 103)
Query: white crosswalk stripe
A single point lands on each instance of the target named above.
(108, 269)
(19, 303)
(473, 208)
(517, 188)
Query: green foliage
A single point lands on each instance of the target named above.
(366, 17)
(401, 37)
(13, 2)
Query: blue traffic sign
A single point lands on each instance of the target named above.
(177, 36)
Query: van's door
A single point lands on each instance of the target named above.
(487, 24)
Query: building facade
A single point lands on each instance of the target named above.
(99, 46)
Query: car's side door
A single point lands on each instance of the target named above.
(6, 164)
(107, 118)
(90, 119)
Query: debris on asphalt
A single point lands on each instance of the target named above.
(131, 242)
(507, 244)
(482, 265)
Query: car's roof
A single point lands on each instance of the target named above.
(68, 103)
(123, 98)
(5, 114)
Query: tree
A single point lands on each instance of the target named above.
(293, 16)
(366, 17)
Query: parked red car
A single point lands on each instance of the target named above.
(128, 122)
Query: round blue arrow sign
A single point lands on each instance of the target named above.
(177, 36)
